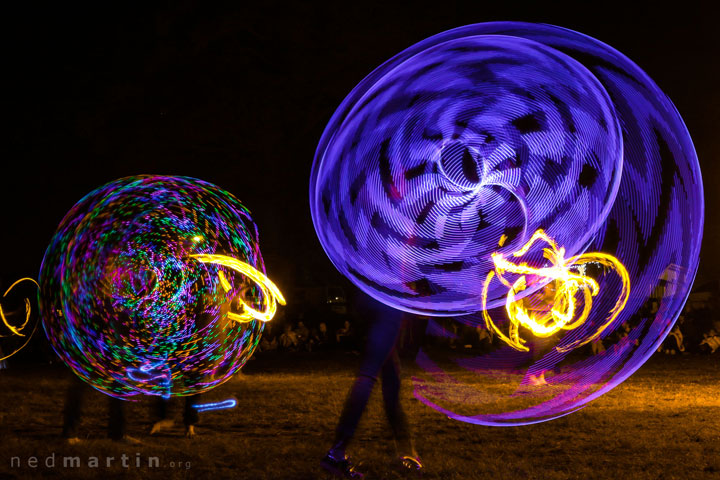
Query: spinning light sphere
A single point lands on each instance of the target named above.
(155, 285)
(526, 181)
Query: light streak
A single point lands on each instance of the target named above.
(558, 309)
(223, 405)
(271, 293)
(148, 372)
(18, 330)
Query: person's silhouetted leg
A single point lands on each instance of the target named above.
(72, 411)
(116, 420)
(161, 410)
(380, 356)
(191, 417)
(382, 336)
(393, 407)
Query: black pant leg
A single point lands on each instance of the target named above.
(385, 324)
(117, 425)
(161, 408)
(72, 411)
(396, 416)
(190, 414)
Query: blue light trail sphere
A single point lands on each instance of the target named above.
(434, 157)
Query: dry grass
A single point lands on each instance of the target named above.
(664, 422)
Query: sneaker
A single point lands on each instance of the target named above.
(538, 380)
(161, 425)
(411, 463)
(341, 468)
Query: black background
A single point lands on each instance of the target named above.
(239, 94)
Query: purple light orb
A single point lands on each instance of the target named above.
(457, 151)
(437, 155)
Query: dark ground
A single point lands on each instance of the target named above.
(662, 423)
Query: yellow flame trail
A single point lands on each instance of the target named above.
(17, 330)
(271, 293)
(561, 314)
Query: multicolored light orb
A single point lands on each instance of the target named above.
(524, 183)
(155, 285)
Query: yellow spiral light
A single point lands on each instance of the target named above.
(553, 309)
(271, 293)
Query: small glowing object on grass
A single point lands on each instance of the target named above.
(224, 405)
(18, 330)
(560, 313)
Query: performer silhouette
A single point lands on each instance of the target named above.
(380, 357)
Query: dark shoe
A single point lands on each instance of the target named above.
(161, 425)
(411, 463)
(341, 468)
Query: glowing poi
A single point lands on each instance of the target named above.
(24, 329)
(155, 285)
(560, 313)
(506, 140)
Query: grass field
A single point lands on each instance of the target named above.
(663, 423)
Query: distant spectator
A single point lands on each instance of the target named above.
(482, 338)
(269, 341)
(625, 330)
(710, 342)
(344, 335)
(303, 336)
(673, 344)
(691, 331)
(320, 337)
(289, 339)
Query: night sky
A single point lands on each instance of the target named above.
(240, 96)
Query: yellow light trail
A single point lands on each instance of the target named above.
(17, 330)
(271, 293)
(559, 312)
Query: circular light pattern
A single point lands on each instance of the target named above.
(525, 184)
(154, 285)
(431, 159)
